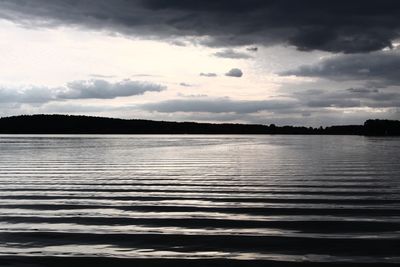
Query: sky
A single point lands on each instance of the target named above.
(303, 62)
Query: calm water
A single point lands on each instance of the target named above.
(239, 199)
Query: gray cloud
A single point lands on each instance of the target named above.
(362, 90)
(337, 103)
(101, 89)
(32, 95)
(349, 98)
(318, 107)
(230, 53)
(234, 73)
(219, 105)
(185, 85)
(252, 49)
(209, 74)
(378, 69)
(335, 26)
(96, 89)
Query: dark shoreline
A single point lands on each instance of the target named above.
(66, 124)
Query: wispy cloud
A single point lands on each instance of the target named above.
(232, 54)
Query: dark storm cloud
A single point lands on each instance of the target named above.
(230, 53)
(234, 73)
(94, 89)
(338, 26)
(378, 68)
(220, 105)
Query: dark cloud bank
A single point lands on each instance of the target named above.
(376, 69)
(376, 72)
(349, 26)
(348, 98)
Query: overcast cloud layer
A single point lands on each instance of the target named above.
(335, 26)
(305, 62)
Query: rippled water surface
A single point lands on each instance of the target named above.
(212, 199)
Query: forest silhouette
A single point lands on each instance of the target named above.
(70, 124)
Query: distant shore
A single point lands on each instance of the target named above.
(69, 124)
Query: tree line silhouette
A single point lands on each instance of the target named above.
(69, 124)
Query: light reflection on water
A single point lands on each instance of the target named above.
(279, 198)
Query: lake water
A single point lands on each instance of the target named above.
(211, 200)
